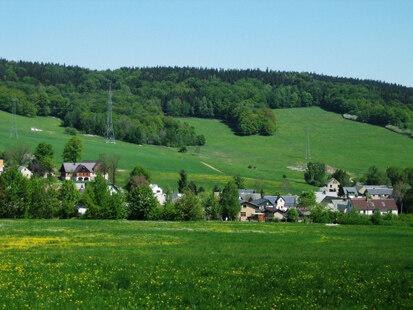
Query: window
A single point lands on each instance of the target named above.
(243, 213)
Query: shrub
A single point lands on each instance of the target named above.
(71, 131)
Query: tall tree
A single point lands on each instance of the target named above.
(110, 163)
(315, 173)
(229, 201)
(344, 179)
(18, 155)
(189, 207)
(183, 181)
(376, 177)
(239, 181)
(72, 151)
(69, 197)
(141, 202)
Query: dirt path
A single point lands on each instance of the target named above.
(213, 168)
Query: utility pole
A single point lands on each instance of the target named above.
(110, 135)
(307, 144)
(13, 128)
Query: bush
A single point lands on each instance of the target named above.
(71, 131)
(292, 215)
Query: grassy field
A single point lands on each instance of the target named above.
(77, 264)
(335, 141)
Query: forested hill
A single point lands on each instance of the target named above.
(145, 98)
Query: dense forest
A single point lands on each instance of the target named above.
(146, 99)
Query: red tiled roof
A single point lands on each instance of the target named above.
(371, 204)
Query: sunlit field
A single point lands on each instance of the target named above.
(76, 264)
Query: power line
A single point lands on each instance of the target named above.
(110, 135)
(13, 127)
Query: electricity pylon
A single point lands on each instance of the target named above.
(110, 135)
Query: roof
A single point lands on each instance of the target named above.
(350, 190)
(22, 168)
(260, 202)
(380, 191)
(331, 180)
(289, 200)
(371, 204)
(246, 191)
(329, 199)
(74, 167)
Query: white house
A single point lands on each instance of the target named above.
(87, 170)
(25, 172)
(158, 193)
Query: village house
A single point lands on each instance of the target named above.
(25, 172)
(1, 166)
(350, 192)
(332, 185)
(158, 193)
(371, 191)
(85, 171)
(369, 206)
(247, 211)
(266, 208)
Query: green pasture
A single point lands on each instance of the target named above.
(77, 264)
(333, 140)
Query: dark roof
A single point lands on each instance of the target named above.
(260, 202)
(349, 190)
(329, 199)
(289, 200)
(371, 204)
(75, 167)
(380, 191)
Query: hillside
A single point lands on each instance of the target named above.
(335, 141)
(146, 99)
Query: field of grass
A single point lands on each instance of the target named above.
(75, 264)
(335, 141)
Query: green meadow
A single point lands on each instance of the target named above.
(333, 140)
(77, 264)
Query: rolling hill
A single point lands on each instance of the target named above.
(333, 140)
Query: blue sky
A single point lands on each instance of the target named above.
(363, 39)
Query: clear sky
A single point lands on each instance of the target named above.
(361, 38)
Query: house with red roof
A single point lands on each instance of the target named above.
(369, 206)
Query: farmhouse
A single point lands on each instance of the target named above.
(25, 172)
(247, 211)
(263, 209)
(332, 185)
(85, 171)
(369, 206)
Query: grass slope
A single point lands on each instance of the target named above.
(75, 264)
(337, 142)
